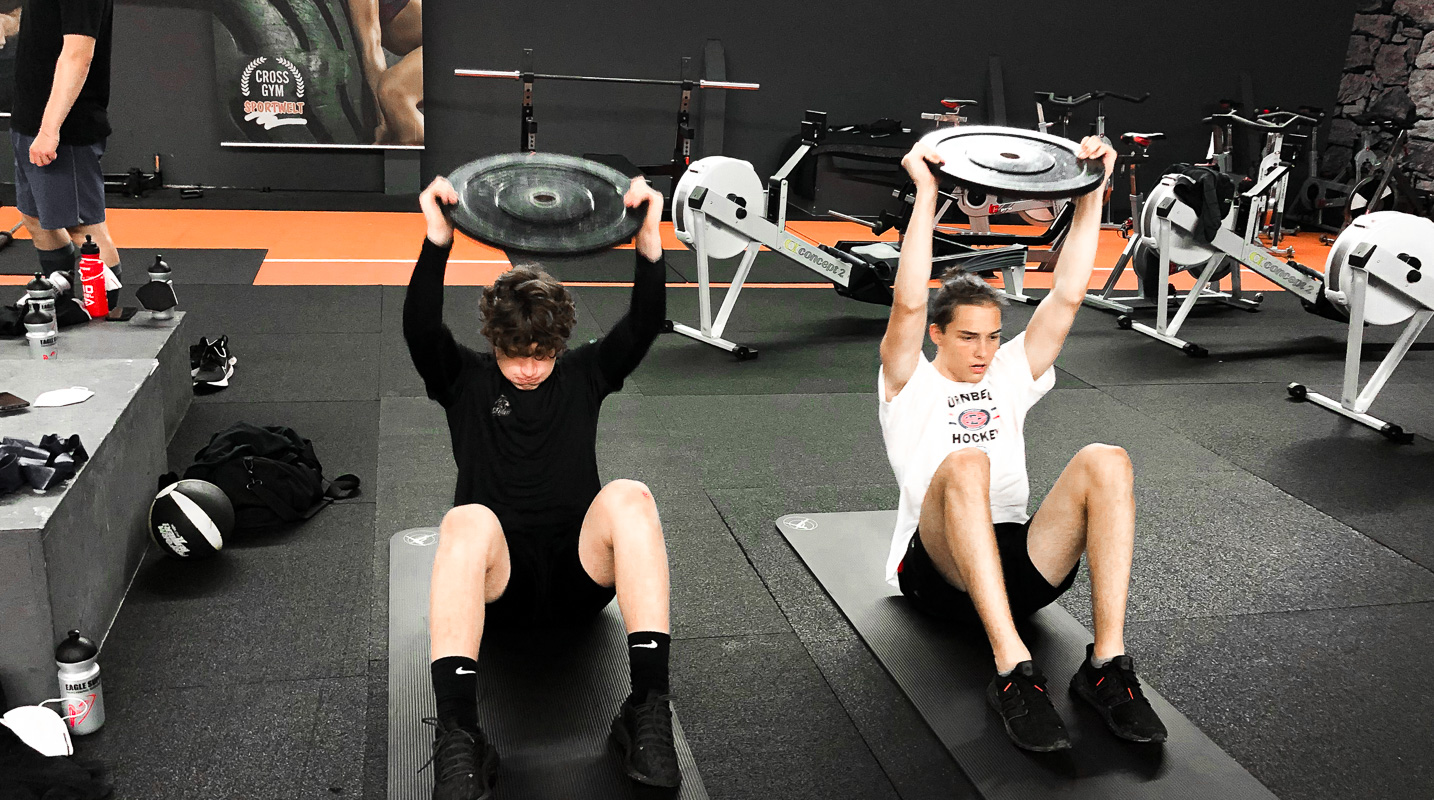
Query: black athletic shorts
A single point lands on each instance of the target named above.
(547, 585)
(1027, 590)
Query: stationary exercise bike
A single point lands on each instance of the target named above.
(1066, 106)
(1265, 206)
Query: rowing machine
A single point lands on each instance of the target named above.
(1376, 269)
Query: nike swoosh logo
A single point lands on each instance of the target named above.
(649, 645)
(462, 671)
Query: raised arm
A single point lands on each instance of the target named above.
(906, 327)
(431, 345)
(623, 348)
(1052, 320)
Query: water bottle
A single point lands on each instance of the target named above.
(80, 684)
(42, 296)
(40, 333)
(92, 280)
(160, 272)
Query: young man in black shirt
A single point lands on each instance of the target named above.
(534, 538)
(58, 129)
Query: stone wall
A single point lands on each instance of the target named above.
(1388, 72)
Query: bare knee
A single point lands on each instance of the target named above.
(1107, 465)
(964, 472)
(471, 527)
(628, 495)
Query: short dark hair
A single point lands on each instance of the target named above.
(961, 288)
(527, 311)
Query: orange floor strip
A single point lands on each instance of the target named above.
(343, 248)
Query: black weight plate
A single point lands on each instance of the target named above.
(543, 203)
(1015, 163)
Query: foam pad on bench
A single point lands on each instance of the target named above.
(546, 703)
(944, 673)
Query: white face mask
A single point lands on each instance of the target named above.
(40, 728)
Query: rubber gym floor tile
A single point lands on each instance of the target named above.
(714, 591)
(411, 416)
(274, 740)
(1276, 344)
(1217, 543)
(914, 760)
(1066, 420)
(300, 367)
(250, 310)
(749, 514)
(281, 605)
(342, 433)
(1319, 705)
(763, 723)
(1335, 465)
(191, 267)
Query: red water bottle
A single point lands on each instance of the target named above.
(92, 280)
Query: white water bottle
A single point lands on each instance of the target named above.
(42, 293)
(80, 684)
(40, 333)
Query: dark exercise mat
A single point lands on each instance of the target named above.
(546, 704)
(945, 672)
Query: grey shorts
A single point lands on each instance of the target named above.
(70, 191)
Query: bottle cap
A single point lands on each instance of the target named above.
(75, 648)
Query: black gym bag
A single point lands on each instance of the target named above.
(270, 474)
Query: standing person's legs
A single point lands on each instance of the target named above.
(45, 207)
(400, 90)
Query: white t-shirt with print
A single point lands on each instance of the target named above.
(932, 417)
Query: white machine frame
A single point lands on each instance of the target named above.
(1354, 402)
(766, 227)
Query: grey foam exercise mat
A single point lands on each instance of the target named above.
(944, 673)
(546, 703)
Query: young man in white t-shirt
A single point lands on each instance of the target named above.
(964, 548)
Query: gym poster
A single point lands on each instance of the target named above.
(326, 72)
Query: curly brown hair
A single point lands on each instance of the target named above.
(528, 312)
(961, 288)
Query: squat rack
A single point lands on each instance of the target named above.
(682, 151)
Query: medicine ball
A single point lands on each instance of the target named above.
(190, 519)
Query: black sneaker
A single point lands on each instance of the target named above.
(642, 735)
(1114, 691)
(210, 362)
(465, 763)
(1025, 708)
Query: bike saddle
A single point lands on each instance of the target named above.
(1386, 123)
(954, 104)
(1142, 139)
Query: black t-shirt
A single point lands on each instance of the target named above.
(43, 27)
(530, 456)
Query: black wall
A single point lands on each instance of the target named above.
(857, 61)
(862, 60)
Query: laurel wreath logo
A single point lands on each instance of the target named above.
(244, 79)
(298, 78)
